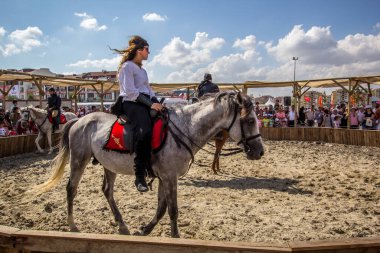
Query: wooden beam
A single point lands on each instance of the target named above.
(344, 88)
(52, 241)
(303, 93)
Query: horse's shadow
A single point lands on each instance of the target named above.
(246, 183)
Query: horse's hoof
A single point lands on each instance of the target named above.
(74, 229)
(138, 233)
(124, 231)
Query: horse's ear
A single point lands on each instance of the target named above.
(239, 98)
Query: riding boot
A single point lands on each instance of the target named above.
(140, 172)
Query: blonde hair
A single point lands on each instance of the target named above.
(135, 42)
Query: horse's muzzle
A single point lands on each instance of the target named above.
(255, 150)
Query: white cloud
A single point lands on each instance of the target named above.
(377, 26)
(178, 53)
(21, 41)
(89, 22)
(2, 32)
(234, 67)
(154, 17)
(97, 64)
(317, 46)
(248, 42)
(114, 19)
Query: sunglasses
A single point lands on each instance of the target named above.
(147, 48)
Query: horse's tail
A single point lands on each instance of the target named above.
(59, 162)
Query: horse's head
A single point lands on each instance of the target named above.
(244, 128)
(25, 114)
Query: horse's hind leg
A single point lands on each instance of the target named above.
(161, 209)
(108, 183)
(78, 163)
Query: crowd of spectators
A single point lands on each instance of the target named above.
(362, 117)
(11, 123)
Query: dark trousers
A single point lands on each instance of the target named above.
(139, 116)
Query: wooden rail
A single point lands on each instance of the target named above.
(369, 138)
(30, 241)
(14, 145)
(21, 144)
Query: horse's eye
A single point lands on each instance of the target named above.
(251, 122)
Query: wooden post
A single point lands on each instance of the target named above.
(101, 97)
(369, 93)
(295, 96)
(349, 103)
(38, 83)
(245, 90)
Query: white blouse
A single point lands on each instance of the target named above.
(132, 81)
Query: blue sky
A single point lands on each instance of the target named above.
(236, 40)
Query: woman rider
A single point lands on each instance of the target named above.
(138, 100)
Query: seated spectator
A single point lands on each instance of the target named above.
(344, 118)
(301, 116)
(368, 117)
(15, 116)
(310, 116)
(291, 116)
(3, 129)
(266, 121)
(360, 114)
(335, 118)
(354, 122)
(280, 115)
(327, 122)
(336, 121)
(376, 117)
(319, 116)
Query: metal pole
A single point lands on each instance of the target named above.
(295, 59)
(295, 93)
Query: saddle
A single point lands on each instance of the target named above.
(62, 119)
(121, 135)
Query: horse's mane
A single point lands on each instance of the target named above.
(227, 100)
(38, 110)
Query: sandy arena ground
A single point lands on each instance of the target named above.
(298, 191)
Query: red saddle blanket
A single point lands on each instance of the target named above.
(62, 119)
(116, 138)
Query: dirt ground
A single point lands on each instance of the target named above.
(297, 191)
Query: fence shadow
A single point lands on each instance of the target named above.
(246, 183)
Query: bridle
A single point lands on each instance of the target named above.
(244, 140)
(39, 126)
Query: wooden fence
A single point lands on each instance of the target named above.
(25, 143)
(13, 240)
(21, 144)
(331, 135)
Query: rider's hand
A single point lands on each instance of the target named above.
(157, 106)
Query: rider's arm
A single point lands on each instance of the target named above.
(59, 102)
(144, 100)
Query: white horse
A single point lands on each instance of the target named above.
(40, 118)
(190, 128)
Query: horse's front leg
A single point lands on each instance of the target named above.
(39, 137)
(160, 212)
(170, 189)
